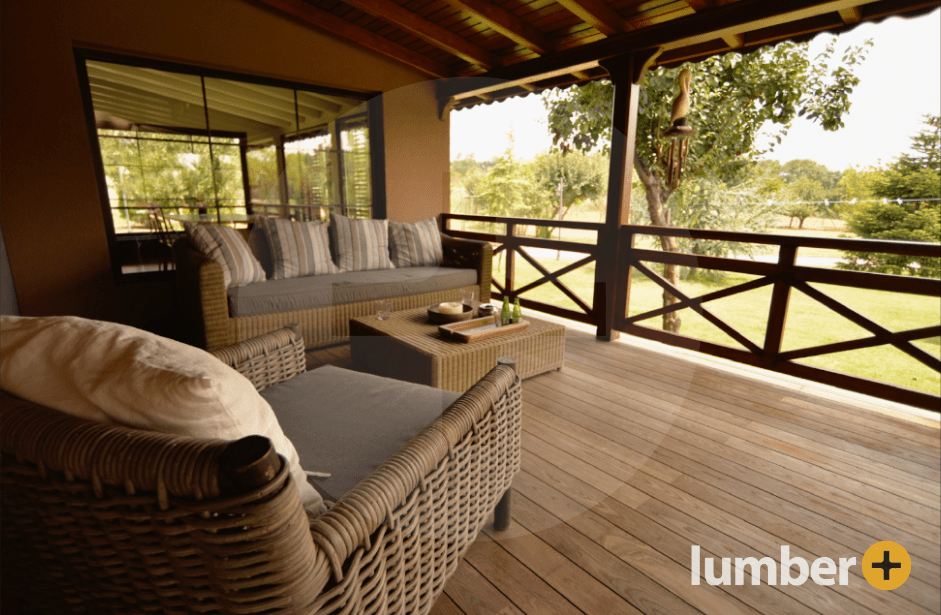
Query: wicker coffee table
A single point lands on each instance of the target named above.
(406, 347)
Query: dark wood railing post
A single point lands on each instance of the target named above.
(510, 251)
(780, 296)
(626, 72)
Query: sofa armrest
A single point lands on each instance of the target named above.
(470, 254)
(456, 469)
(203, 299)
(267, 359)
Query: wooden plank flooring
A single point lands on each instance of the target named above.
(633, 453)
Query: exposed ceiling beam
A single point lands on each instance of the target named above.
(598, 15)
(506, 23)
(428, 31)
(737, 18)
(734, 41)
(344, 29)
(851, 15)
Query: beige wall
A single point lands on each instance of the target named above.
(417, 154)
(49, 206)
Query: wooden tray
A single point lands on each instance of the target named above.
(480, 329)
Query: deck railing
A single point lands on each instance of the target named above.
(510, 243)
(782, 276)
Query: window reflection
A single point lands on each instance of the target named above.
(177, 147)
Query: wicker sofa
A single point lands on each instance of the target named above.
(107, 519)
(209, 323)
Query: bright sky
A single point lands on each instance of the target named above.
(900, 82)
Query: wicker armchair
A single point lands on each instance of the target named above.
(104, 519)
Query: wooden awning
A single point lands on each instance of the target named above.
(513, 47)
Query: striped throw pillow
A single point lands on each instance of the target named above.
(226, 246)
(415, 245)
(298, 249)
(360, 245)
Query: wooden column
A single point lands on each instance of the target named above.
(780, 296)
(625, 72)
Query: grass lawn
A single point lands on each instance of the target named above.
(808, 323)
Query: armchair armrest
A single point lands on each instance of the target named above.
(470, 254)
(203, 299)
(267, 359)
(456, 469)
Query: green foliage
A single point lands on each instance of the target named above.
(902, 214)
(580, 177)
(507, 188)
(167, 170)
(466, 175)
(732, 97)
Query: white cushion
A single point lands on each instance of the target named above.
(415, 245)
(117, 374)
(226, 246)
(360, 245)
(298, 249)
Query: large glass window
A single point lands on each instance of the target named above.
(177, 146)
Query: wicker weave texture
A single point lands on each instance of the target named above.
(106, 519)
(471, 254)
(204, 302)
(112, 520)
(444, 483)
(330, 325)
(203, 299)
(267, 359)
(406, 347)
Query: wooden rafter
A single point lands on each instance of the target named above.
(851, 15)
(428, 31)
(598, 15)
(324, 20)
(777, 20)
(506, 23)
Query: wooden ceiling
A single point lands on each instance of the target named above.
(513, 47)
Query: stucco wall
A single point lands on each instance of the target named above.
(51, 214)
(417, 154)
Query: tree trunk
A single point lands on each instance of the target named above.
(657, 194)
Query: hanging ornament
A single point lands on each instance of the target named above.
(679, 133)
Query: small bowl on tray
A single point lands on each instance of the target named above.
(438, 317)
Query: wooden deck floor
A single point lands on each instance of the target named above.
(632, 455)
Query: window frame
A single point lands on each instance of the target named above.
(374, 114)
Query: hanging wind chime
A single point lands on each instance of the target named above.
(679, 133)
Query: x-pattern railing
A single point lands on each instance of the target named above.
(511, 244)
(784, 276)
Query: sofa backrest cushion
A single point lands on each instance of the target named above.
(360, 245)
(117, 374)
(298, 249)
(226, 246)
(415, 245)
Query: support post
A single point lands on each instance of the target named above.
(626, 72)
(780, 296)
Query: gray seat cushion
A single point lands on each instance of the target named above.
(274, 296)
(347, 423)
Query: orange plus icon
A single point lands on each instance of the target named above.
(886, 565)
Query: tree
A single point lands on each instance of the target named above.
(910, 209)
(580, 177)
(506, 190)
(466, 175)
(804, 198)
(732, 99)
